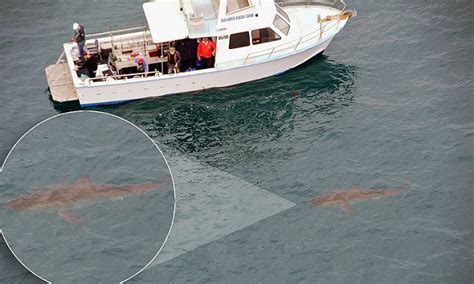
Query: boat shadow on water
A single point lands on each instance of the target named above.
(267, 107)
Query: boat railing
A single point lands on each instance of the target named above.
(60, 75)
(58, 61)
(60, 58)
(330, 3)
(110, 34)
(120, 39)
(116, 32)
(292, 45)
(325, 25)
(124, 76)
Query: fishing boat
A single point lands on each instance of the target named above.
(254, 39)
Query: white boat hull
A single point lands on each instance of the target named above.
(133, 89)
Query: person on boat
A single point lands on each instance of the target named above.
(206, 51)
(141, 64)
(76, 56)
(90, 64)
(76, 53)
(79, 37)
(87, 67)
(174, 60)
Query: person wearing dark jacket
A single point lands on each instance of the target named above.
(88, 66)
(174, 60)
(80, 38)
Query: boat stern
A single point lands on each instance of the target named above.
(60, 82)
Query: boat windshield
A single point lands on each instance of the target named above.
(280, 24)
(282, 13)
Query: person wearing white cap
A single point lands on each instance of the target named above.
(80, 38)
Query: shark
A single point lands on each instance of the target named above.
(344, 197)
(64, 197)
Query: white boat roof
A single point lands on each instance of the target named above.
(208, 9)
(170, 20)
(203, 16)
(166, 21)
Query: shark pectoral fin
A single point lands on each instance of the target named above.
(70, 216)
(346, 207)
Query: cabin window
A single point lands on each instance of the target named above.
(264, 35)
(239, 40)
(283, 13)
(280, 24)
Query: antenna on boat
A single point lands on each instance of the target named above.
(110, 28)
(144, 40)
(111, 37)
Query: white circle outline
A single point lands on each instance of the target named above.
(146, 135)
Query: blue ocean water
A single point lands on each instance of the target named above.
(389, 105)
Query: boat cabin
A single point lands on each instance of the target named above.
(240, 29)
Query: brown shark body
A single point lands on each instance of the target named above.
(345, 197)
(64, 197)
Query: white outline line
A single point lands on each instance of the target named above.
(146, 135)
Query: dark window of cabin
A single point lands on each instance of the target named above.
(239, 40)
(264, 35)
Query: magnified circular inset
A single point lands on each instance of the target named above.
(86, 197)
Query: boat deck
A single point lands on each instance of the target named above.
(60, 83)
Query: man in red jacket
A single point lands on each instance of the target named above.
(205, 53)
